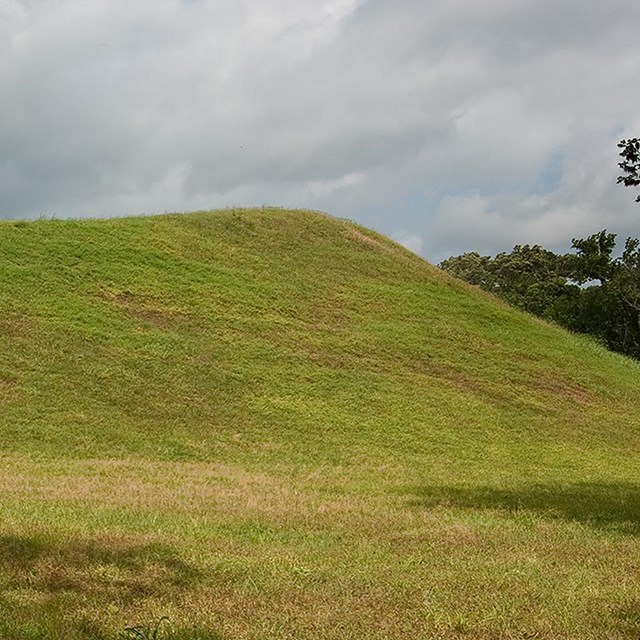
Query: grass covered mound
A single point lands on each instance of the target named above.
(276, 424)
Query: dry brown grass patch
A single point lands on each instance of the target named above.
(207, 489)
(397, 251)
(143, 308)
(8, 389)
(13, 325)
(564, 388)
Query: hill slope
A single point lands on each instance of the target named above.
(278, 424)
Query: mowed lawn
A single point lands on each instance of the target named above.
(277, 424)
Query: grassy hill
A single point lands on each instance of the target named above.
(277, 424)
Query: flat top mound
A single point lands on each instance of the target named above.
(256, 335)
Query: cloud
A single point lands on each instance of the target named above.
(410, 241)
(472, 125)
(583, 200)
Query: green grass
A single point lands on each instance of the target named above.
(276, 424)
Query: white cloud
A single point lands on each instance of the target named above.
(408, 240)
(471, 125)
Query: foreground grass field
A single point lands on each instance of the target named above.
(275, 424)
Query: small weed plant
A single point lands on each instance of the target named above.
(145, 631)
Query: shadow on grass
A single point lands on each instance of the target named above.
(62, 588)
(83, 565)
(613, 506)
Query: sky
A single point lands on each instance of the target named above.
(449, 125)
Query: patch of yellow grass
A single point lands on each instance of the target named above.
(226, 490)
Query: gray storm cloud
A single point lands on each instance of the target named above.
(451, 126)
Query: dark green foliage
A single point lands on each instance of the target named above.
(143, 632)
(630, 164)
(588, 291)
(610, 311)
(593, 259)
(473, 268)
(528, 277)
(628, 278)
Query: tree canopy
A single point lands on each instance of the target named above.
(630, 165)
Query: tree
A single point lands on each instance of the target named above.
(528, 277)
(609, 311)
(593, 260)
(531, 278)
(628, 280)
(472, 268)
(630, 164)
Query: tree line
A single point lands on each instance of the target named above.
(589, 290)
